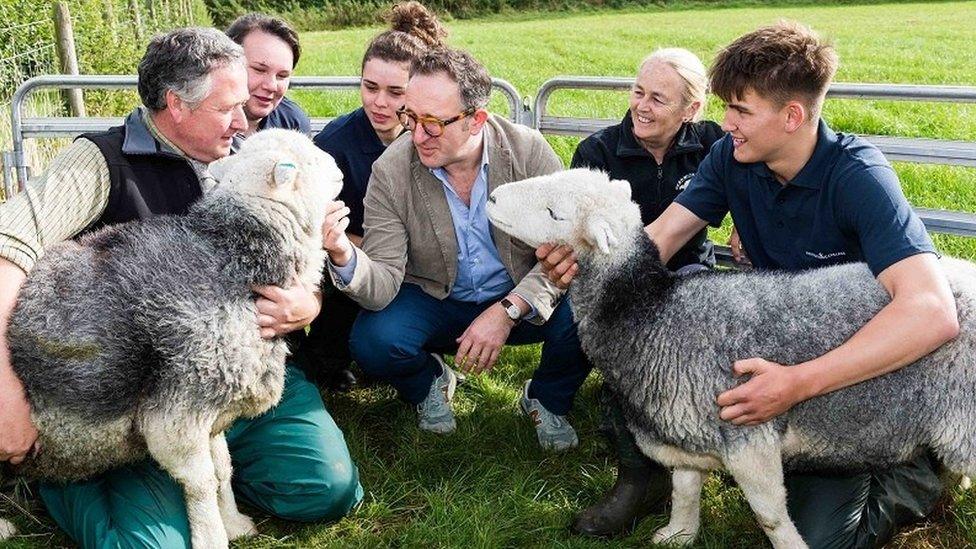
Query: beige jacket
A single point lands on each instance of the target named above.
(409, 234)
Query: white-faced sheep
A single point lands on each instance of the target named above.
(142, 338)
(667, 345)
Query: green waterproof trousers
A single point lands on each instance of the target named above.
(291, 462)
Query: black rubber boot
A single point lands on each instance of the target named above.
(638, 492)
(337, 378)
(642, 486)
(327, 360)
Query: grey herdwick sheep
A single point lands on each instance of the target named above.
(142, 340)
(667, 346)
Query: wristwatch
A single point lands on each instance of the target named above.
(511, 309)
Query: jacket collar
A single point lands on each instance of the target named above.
(686, 140)
(142, 137)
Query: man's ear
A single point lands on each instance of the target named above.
(478, 119)
(691, 110)
(600, 233)
(796, 115)
(176, 107)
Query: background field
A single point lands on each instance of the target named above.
(489, 485)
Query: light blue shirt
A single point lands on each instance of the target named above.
(481, 275)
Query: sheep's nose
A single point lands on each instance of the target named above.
(491, 198)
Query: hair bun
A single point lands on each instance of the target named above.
(415, 19)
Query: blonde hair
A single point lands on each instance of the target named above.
(691, 70)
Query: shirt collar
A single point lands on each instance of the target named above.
(812, 174)
(441, 173)
(143, 137)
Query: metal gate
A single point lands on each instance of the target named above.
(931, 151)
(67, 126)
(920, 150)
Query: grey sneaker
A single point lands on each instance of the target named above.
(554, 432)
(435, 411)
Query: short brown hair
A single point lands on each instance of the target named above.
(275, 26)
(472, 77)
(413, 30)
(778, 62)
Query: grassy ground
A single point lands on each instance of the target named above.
(489, 485)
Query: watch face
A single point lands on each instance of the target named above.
(511, 309)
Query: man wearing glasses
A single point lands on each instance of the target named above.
(434, 276)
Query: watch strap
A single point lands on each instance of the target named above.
(512, 310)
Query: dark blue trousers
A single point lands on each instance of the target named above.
(394, 345)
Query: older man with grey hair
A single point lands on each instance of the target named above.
(291, 462)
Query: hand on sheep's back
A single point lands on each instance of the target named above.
(771, 390)
(334, 238)
(558, 262)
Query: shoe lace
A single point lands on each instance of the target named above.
(436, 400)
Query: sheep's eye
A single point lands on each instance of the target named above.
(553, 215)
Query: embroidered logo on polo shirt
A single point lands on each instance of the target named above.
(823, 256)
(683, 182)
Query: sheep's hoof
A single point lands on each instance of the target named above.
(239, 525)
(7, 529)
(678, 536)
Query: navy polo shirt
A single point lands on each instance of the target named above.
(354, 145)
(287, 115)
(845, 205)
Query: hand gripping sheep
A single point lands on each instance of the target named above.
(142, 339)
(667, 346)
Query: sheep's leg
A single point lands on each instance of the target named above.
(758, 470)
(182, 448)
(7, 529)
(685, 508)
(236, 523)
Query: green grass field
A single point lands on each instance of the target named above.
(488, 485)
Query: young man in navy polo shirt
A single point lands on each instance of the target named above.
(803, 196)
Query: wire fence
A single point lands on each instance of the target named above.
(109, 36)
(26, 50)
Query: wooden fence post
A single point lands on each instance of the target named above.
(136, 18)
(108, 13)
(65, 43)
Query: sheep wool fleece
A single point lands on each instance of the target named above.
(291, 461)
(845, 205)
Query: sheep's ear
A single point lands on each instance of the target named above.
(219, 168)
(620, 188)
(600, 233)
(285, 174)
